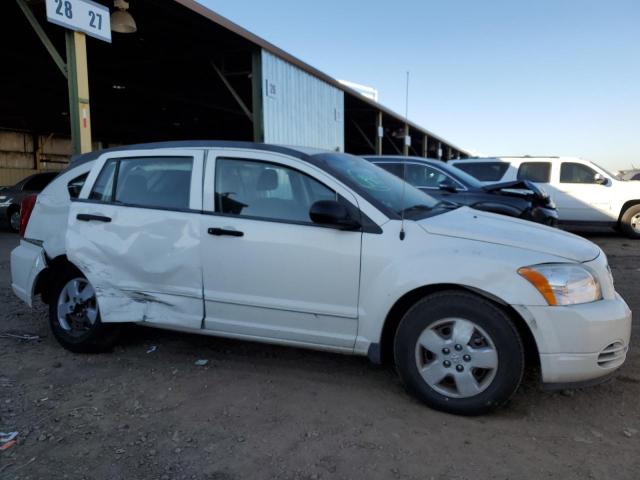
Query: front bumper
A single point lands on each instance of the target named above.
(27, 261)
(579, 343)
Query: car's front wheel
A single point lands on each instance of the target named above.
(74, 316)
(458, 352)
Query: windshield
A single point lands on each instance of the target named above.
(383, 189)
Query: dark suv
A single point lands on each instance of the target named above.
(11, 197)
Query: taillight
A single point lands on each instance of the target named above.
(26, 207)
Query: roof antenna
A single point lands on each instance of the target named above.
(404, 164)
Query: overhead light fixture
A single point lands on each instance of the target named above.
(121, 20)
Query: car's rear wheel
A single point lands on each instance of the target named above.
(630, 222)
(75, 318)
(14, 219)
(460, 353)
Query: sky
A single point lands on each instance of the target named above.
(497, 77)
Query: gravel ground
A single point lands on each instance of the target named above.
(258, 411)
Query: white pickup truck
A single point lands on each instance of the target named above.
(584, 193)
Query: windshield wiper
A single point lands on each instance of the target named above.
(415, 208)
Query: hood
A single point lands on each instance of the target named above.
(628, 187)
(488, 227)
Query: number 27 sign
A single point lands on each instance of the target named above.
(82, 16)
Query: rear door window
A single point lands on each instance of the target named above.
(152, 182)
(163, 182)
(484, 171)
(535, 171)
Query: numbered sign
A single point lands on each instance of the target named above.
(82, 16)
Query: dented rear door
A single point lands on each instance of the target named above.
(134, 233)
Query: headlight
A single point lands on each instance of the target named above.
(563, 283)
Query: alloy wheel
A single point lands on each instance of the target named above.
(456, 358)
(77, 307)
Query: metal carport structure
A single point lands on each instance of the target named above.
(187, 73)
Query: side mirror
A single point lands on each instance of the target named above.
(332, 213)
(600, 179)
(448, 187)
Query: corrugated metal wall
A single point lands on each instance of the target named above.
(299, 109)
(17, 157)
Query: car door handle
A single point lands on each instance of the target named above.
(224, 231)
(85, 217)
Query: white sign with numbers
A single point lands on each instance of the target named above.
(82, 16)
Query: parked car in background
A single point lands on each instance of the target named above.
(629, 175)
(11, 197)
(584, 193)
(444, 182)
(321, 250)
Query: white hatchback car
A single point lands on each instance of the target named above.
(320, 250)
(584, 193)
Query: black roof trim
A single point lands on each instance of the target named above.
(90, 156)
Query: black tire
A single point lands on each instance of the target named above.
(630, 222)
(10, 213)
(437, 309)
(97, 338)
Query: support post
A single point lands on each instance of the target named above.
(256, 96)
(379, 133)
(78, 80)
(233, 92)
(425, 146)
(35, 145)
(406, 143)
(439, 150)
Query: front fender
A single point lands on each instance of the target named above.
(424, 259)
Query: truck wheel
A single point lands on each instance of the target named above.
(74, 316)
(14, 219)
(459, 353)
(630, 223)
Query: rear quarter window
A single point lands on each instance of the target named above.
(75, 185)
(484, 171)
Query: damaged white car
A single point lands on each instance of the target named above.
(320, 250)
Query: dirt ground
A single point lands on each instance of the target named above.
(258, 411)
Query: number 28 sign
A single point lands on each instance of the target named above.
(82, 16)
